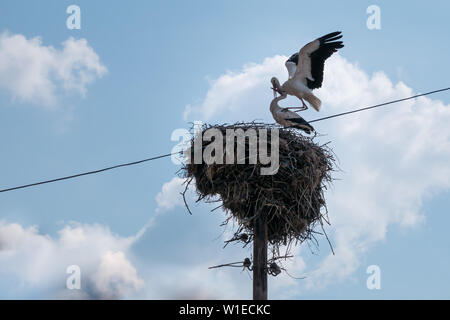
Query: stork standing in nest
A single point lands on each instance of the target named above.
(288, 118)
(305, 70)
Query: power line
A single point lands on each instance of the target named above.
(379, 105)
(89, 172)
(170, 154)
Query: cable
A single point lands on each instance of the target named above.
(89, 172)
(170, 154)
(379, 105)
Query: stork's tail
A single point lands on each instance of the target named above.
(301, 124)
(313, 101)
(305, 127)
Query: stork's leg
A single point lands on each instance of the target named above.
(304, 106)
(298, 109)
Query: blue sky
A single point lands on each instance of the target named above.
(162, 56)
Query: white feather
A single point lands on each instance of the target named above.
(304, 61)
(291, 68)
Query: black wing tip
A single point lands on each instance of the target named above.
(331, 36)
(308, 130)
(302, 123)
(338, 44)
(333, 39)
(332, 46)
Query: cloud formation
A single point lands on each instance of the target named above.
(239, 94)
(392, 158)
(40, 261)
(169, 197)
(35, 73)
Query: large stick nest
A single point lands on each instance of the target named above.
(292, 199)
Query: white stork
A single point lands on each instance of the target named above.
(288, 118)
(306, 70)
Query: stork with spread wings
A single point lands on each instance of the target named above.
(305, 70)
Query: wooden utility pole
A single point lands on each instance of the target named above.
(260, 258)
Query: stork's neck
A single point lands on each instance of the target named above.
(274, 104)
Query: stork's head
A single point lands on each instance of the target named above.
(275, 83)
(276, 87)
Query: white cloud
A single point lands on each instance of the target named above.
(40, 261)
(116, 276)
(33, 72)
(197, 282)
(169, 197)
(239, 93)
(393, 157)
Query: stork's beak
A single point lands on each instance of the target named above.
(274, 92)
